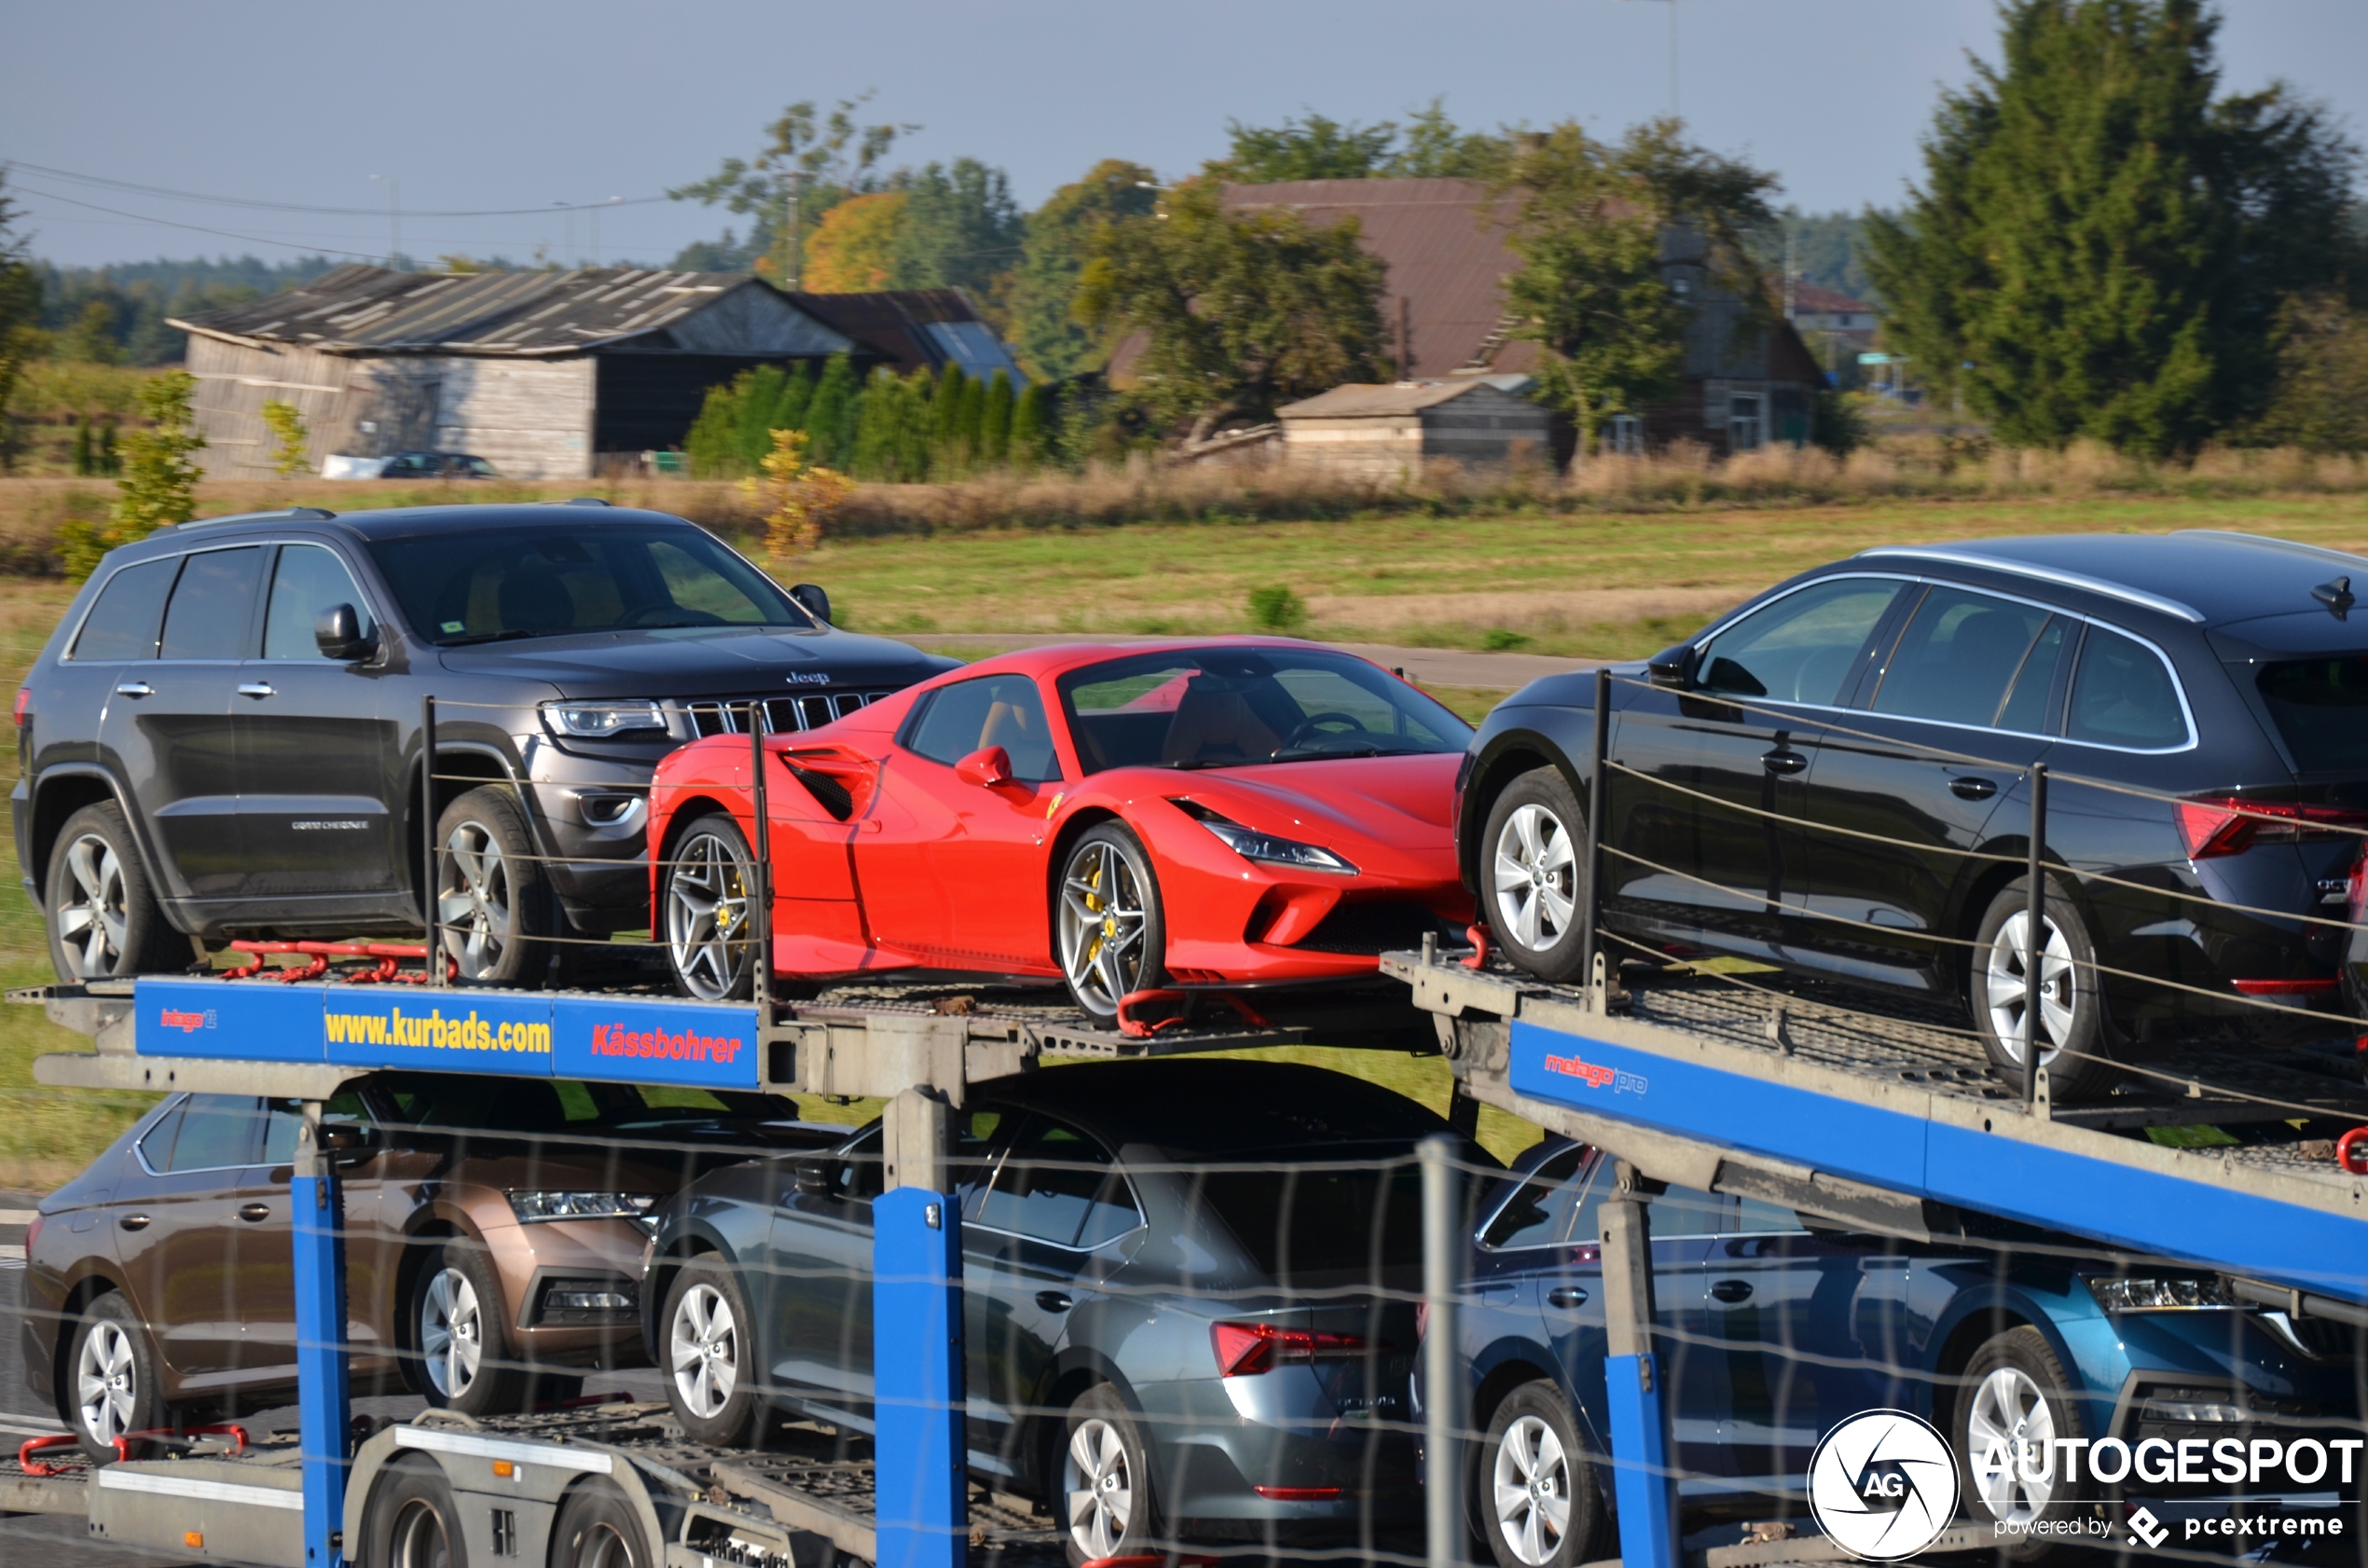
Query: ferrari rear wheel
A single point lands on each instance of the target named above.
(1113, 938)
(709, 929)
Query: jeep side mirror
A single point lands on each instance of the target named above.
(1673, 667)
(816, 602)
(987, 767)
(818, 1179)
(338, 633)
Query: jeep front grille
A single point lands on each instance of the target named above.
(708, 716)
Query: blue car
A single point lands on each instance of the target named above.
(1772, 1329)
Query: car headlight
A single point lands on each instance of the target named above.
(595, 721)
(2150, 1294)
(1269, 848)
(533, 1207)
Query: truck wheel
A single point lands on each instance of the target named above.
(111, 1385)
(101, 909)
(463, 1357)
(596, 1528)
(1537, 1494)
(412, 1522)
(1533, 875)
(493, 901)
(2013, 1392)
(1106, 1481)
(2070, 1010)
(1106, 912)
(707, 930)
(712, 1371)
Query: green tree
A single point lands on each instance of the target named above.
(1316, 148)
(2100, 246)
(1053, 344)
(1593, 288)
(1243, 311)
(824, 157)
(969, 424)
(831, 417)
(995, 428)
(1031, 427)
(19, 319)
(86, 453)
(159, 483)
(946, 415)
(1433, 146)
(2320, 402)
(960, 228)
(91, 339)
(290, 438)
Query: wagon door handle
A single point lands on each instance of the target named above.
(134, 689)
(1972, 788)
(1567, 1297)
(258, 689)
(134, 1222)
(254, 1212)
(1054, 1301)
(1731, 1291)
(1781, 761)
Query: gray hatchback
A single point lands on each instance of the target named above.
(1189, 1289)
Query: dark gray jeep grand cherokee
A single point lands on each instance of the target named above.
(223, 737)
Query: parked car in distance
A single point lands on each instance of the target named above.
(1251, 813)
(409, 465)
(1773, 1329)
(494, 1233)
(1835, 778)
(1188, 1289)
(223, 738)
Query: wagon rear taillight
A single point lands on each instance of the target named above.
(2230, 824)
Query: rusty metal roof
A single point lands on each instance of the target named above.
(914, 329)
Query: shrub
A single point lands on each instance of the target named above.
(1276, 609)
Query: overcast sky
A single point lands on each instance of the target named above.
(521, 103)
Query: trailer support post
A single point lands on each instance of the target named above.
(920, 1449)
(318, 1237)
(1643, 1485)
(1443, 1374)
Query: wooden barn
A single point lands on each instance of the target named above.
(543, 373)
(1393, 431)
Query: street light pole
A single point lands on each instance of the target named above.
(394, 220)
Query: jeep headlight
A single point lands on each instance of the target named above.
(596, 721)
(533, 1207)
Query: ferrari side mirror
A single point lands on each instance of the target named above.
(987, 767)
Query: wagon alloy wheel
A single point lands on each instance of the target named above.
(1109, 922)
(1537, 878)
(2009, 1407)
(1100, 1487)
(708, 928)
(91, 922)
(106, 1387)
(2007, 996)
(1532, 1490)
(704, 1351)
(475, 900)
(451, 1332)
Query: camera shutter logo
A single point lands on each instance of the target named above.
(1883, 1485)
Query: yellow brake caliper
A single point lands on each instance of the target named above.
(1108, 926)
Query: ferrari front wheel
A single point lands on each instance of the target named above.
(709, 931)
(1113, 939)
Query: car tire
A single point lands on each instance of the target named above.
(1105, 1502)
(101, 907)
(709, 878)
(461, 1357)
(708, 1353)
(494, 907)
(2014, 1388)
(2078, 1065)
(111, 1385)
(1109, 928)
(596, 1528)
(412, 1521)
(1533, 874)
(1535, 1494)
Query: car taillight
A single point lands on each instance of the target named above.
(2230, 825)
(24, 700)
(1245, 1349)
(32, 1233)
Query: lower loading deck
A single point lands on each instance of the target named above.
(1794, 1090)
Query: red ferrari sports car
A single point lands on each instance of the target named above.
(1228, 814)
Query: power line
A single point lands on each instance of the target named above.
(197, 228)
(135, 190)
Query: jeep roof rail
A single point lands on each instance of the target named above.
(292, 514)
(583, 501)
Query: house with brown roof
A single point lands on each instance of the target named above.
(1446, 243)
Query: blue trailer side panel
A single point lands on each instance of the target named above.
(644, 1040)
(921, 1441)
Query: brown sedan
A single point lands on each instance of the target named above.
(495, 1234)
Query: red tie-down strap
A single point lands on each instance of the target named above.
(1139, 1029)
(1478, 935)
(237, 1436)
(2351, 1151)
(33, 1466)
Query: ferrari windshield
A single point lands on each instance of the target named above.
(1227, 706)
(495, 584)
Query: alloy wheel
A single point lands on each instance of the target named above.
(1532, 1489)
(451, 1332)
(419, 1539)
(92, 925)
(1102, 923)
(2010, 1408)
(1537, 878)
(706, 916)
(474, 902)
(1099, 1486)
(2006, 998)
(705, 1351)
(105, 1383)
